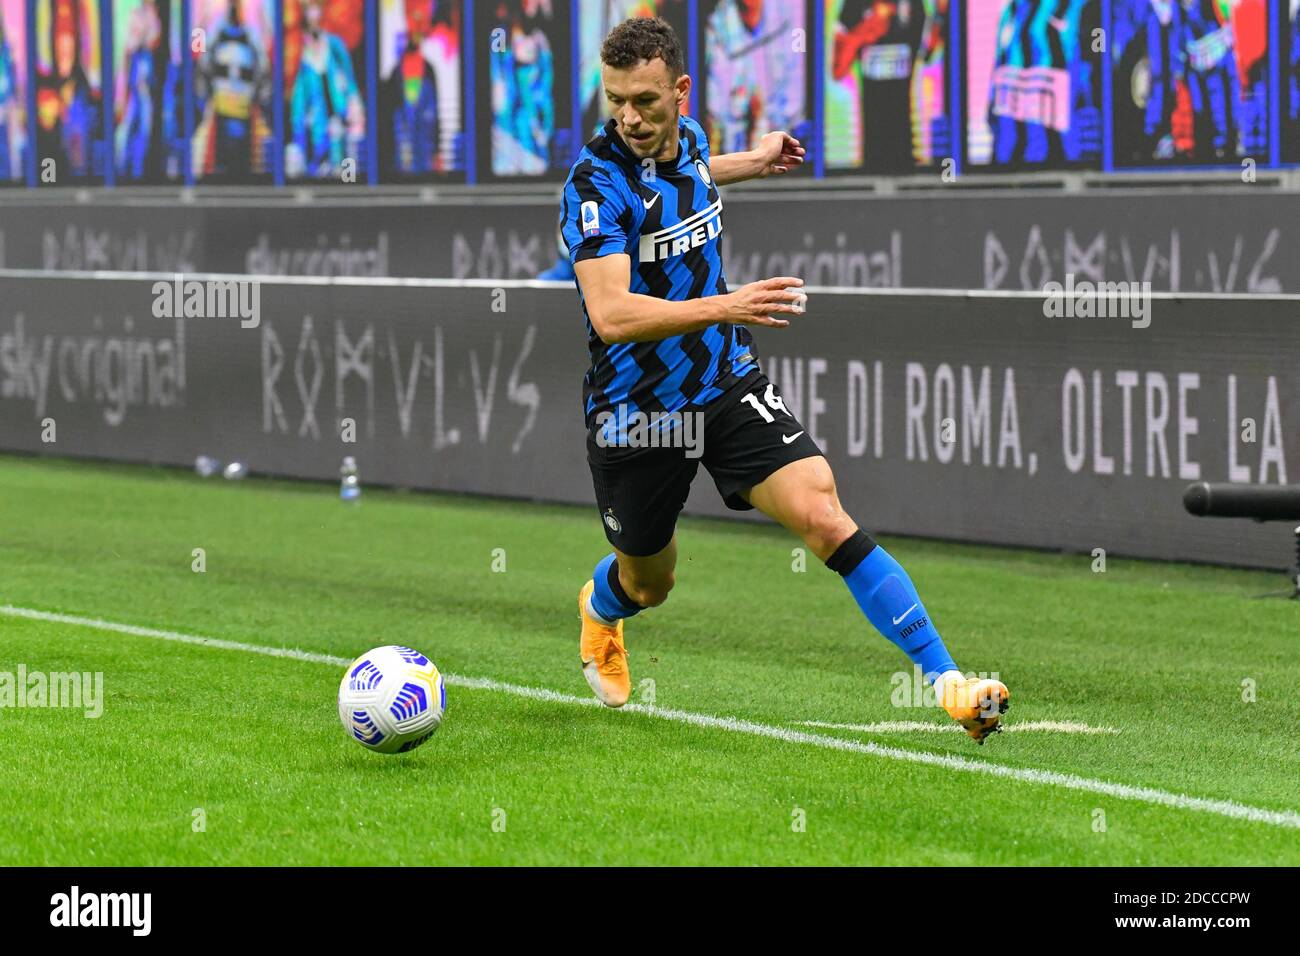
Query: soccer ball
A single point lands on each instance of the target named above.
(392, 699)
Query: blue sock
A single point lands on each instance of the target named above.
(609, 600)
(889, 600)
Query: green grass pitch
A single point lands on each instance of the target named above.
(1157, 652)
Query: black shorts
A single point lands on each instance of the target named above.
(747, 435)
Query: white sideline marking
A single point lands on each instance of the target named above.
(1179, 801)
(922, 726)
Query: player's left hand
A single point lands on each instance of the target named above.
(780, 153)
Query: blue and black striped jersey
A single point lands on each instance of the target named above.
(668, 218)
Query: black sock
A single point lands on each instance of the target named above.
(850, 554)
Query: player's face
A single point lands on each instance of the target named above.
(646, 101)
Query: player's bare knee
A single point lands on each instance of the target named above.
(825, 525)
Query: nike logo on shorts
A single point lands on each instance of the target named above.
(789, 438)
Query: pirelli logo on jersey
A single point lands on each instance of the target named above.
(684, 236)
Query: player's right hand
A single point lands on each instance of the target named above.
(765, 301)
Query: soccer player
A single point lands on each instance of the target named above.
(673, 362)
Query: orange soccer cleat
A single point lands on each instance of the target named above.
(976, 703)
(604, 658)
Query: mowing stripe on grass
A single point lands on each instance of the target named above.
(930, 727)
(1178, 801)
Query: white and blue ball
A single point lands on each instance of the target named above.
(392, 699)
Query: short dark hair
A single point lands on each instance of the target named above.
(643, 38)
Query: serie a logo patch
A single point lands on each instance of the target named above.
(590, 218)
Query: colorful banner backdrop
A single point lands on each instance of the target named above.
(325, 84)
(1033, 84)
(149, 139)
(421, 121)
(755, 72)
(69, 92)
(390, 91)
(886, 95)
(1191, 82)
(233, 50)
(524, 104)
(1290, 35)
(13, 91)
